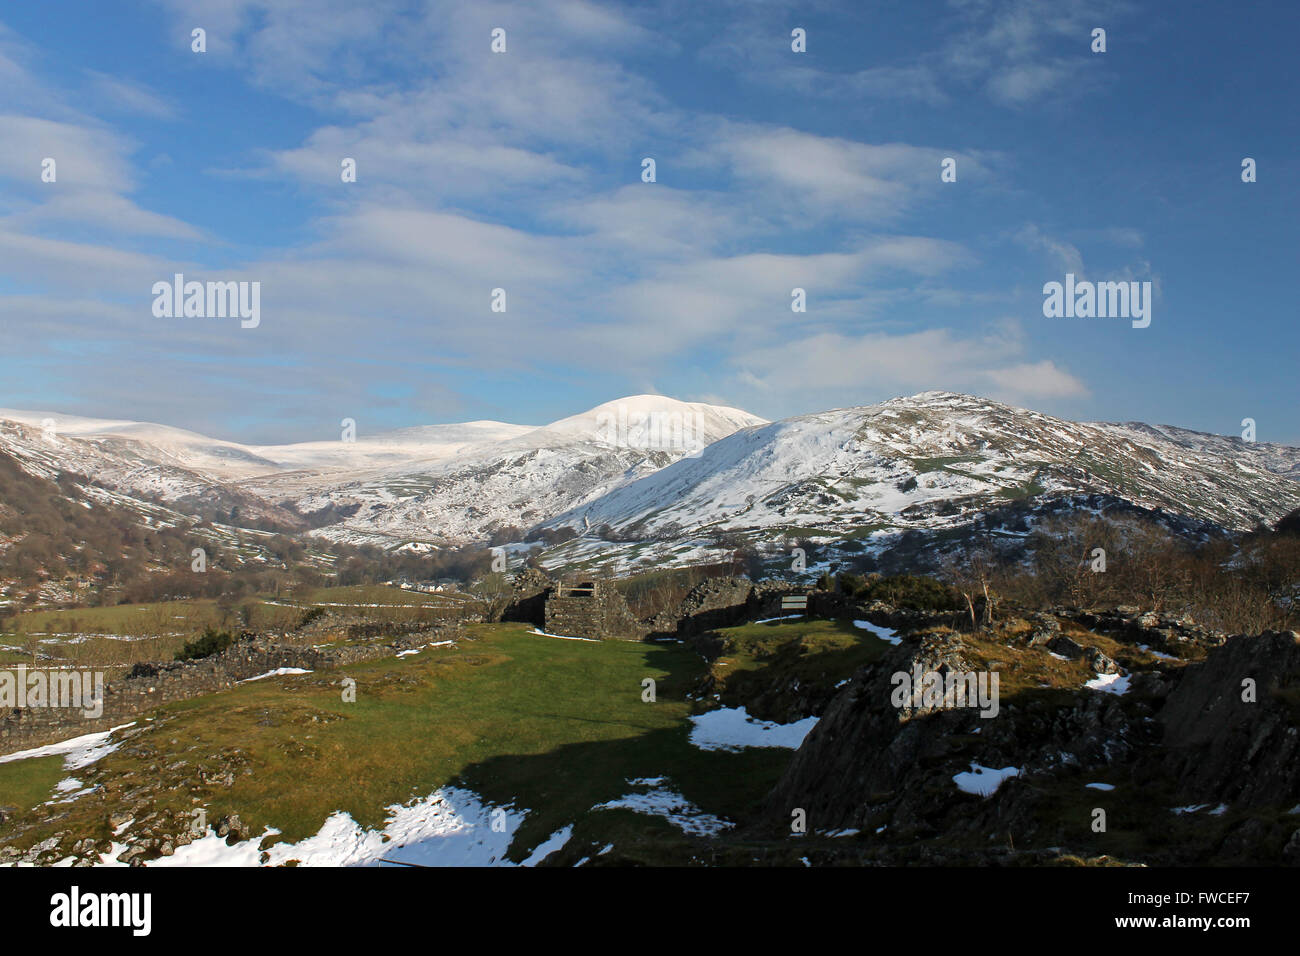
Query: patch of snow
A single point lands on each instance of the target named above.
(278, 672)
(548, 846)
(563, 637)
(671, 806)
(1109, 683)
(79, 751)
(884, 633)
(450, 827)
(1100, 786)
(732, 729)
(983, 781)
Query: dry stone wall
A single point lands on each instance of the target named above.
(150, 685)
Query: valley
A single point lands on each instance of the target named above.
(487, 644)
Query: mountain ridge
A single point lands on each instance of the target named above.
(928, 462)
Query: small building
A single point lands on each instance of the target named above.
(591, 609)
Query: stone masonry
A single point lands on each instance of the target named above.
(150, 685)
(594, 610)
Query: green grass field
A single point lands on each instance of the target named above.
(553, 725)
(158, 630)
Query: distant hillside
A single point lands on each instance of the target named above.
(933, 463)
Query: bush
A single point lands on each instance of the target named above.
(851, 584)
(211, 642)
(910, 592)
(310, 615)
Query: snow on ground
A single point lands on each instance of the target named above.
(660, 801)
(784, 617)
(983, 781)
(416, 650)
(563, 637)
(731, 728)
(278, 672)
(1109, 683)
(451, 827)
(1156, 654)
(1100, 786)
(78, 752)
(884, 633)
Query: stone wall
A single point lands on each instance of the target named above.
(150, 685)
(595, 610)
(528, 598)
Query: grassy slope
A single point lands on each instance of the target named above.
(763, 659)
(551, 725)
(544, 723)
(25, 784)
(166, 626)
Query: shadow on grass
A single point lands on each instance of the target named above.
(562, 786)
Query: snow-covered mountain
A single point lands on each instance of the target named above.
(930, 462)
(454, 482)
(653, 478)
(520, 481)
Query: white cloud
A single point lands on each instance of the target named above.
(905, 363)
(831, 175)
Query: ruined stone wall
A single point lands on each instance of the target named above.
(528, 598)
(601, 615)
(151, 685)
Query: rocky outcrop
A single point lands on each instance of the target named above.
(1230, 726)
(1185, 739)
(869, 762)
(1168, 633)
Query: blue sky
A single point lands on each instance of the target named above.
(522, 171)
